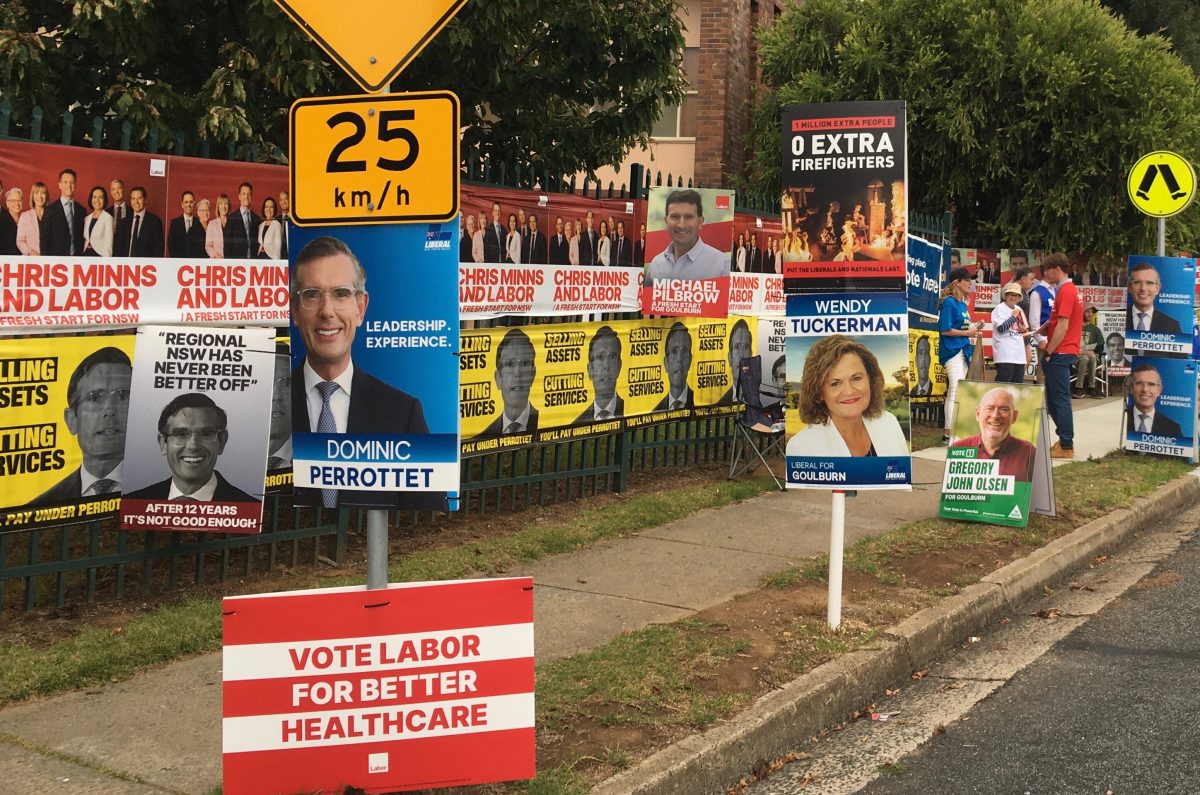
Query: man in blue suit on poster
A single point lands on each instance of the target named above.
(1143, 313)
(329, 393)
(1144, 416)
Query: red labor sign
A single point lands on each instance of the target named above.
(414, 686)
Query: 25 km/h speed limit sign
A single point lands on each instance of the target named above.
(374, 159)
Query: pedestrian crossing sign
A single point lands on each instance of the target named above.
(1161, 184)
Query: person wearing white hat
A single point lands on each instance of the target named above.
(1010, 332)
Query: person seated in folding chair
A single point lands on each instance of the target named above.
(841, 402)
(758, 434)
(1084, 371)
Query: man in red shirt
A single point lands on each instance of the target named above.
(1063, 329)
(996, 413)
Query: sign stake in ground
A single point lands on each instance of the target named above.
(362, 41)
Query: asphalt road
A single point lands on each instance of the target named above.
(1094, 690)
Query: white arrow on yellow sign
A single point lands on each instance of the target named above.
(375, 39)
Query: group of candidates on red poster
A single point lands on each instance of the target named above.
(116, 222)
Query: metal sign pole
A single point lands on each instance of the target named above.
(377, 549)
(837, 544)
(1162, 237)
(377, 523)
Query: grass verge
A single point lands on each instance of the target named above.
(606, 709)
(1084, 490)
(651, 687)
(193, 624)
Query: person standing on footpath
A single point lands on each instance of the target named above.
(956, 337)
(1062, 331)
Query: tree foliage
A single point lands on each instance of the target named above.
(569, 85)
(1177, 20)
(1024, 115)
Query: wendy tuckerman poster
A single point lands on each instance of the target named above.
(847, 409)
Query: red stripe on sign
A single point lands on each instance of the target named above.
(399, 766)
(377, 689)
(204, 517)
(844, 123)
(359, 613)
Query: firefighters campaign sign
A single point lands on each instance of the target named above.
(845, 197)
(414, 686)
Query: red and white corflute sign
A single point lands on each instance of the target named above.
(414, 686)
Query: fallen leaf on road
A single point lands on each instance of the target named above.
(1051, 613)
(921, 674)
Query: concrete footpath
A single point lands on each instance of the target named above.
(161, 731)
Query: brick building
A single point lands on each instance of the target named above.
(704, 137)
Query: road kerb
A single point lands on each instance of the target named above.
(710, 762)
(781, 721)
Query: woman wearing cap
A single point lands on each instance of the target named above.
(956, 337)
(1010, 330)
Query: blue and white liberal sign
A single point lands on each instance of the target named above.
(849, 426)
(390, 344)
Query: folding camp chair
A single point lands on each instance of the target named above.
(758, 432)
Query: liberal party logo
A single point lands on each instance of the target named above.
(436, 239)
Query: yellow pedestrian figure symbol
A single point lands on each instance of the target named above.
(1161, 184)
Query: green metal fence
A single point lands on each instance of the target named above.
(86, 562)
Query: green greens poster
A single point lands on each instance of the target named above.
(990, 463)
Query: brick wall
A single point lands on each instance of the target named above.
(729, 67)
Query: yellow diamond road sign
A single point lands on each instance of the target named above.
(374, 159)
(373, 40)
(1161, 184)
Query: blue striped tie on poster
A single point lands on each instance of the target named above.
(847, 410)
(1160, 407)
(375, 311)
(1160, 412)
